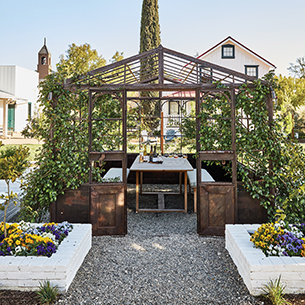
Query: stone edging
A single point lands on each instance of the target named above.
(25, 273)
(256, 269)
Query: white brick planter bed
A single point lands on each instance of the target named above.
(25, 273)
(256, 269)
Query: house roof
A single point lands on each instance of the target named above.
(229, 38)
(9, 96)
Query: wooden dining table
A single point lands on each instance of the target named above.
(179, 165)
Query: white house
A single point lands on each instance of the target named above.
(228, 53)
(232, 54)
(18, 97)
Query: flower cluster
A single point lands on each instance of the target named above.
(280, 239)
(26, 239)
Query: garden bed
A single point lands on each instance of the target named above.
(25, 273)
(256, 269)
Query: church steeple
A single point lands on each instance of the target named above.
(44, 61)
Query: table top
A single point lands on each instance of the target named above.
(169, 164)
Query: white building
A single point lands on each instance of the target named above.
(232, 54)
(18, 98)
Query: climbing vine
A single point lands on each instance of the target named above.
(270, 166)
(63, 162)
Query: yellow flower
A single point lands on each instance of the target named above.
(17, 242)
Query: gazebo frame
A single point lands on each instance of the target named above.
(168, 71)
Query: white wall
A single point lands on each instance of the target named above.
(238, 63)
(26, 84)
(21, 115)
(7, 79)
(23, 84)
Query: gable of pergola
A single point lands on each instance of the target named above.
(162, 69)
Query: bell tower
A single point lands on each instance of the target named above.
(44, 61)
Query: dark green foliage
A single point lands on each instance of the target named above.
(150, 28)
(150, 39)
(271, 167)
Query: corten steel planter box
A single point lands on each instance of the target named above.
(74, 207)
(102, 204)
(249, 210)
(256, 269)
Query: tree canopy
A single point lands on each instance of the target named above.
(298, 69)
(291, 91)
(79, 59)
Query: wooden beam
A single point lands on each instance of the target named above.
(157, 87)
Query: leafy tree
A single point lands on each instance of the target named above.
(13, 162)
(149, 39)
(290, 91)
(291, 95)
(79, 59)
(298, 69)
(117, 56)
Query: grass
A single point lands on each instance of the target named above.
(33, 149)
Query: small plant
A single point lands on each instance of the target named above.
(47, 293)
(13, 162)
(274, 291)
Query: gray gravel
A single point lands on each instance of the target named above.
(161, 260)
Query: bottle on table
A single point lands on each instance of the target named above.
(151, 154)
(145, 155)
(155, 156)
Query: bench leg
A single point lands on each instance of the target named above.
(195, 200)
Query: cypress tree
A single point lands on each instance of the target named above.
(150, 39)
(150, 28)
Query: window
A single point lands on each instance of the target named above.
(43, 60)
(228, 51)
(173, 108)
(251, 71)
(206, 74)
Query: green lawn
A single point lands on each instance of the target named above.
(33, 149)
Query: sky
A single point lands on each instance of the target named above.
(274, 29)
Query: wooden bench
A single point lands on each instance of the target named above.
(115, 173)
(192, 178)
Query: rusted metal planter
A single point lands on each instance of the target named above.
(102, 206)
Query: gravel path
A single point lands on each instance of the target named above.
(161, 260)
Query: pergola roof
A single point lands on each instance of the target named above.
(162, 69)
